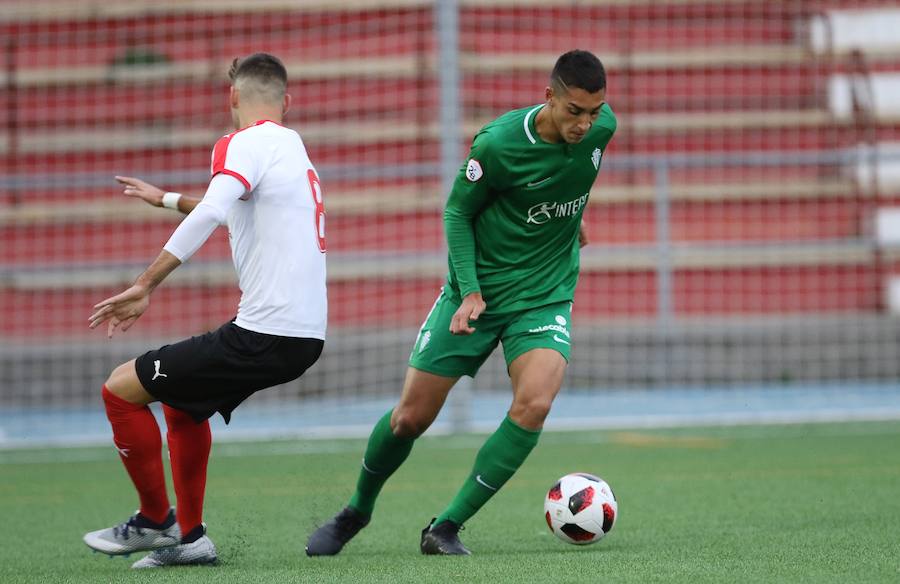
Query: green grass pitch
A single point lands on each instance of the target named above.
(804, 503)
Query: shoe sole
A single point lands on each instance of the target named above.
(104, 547)
(315, 554)
(439, 553)
(212, 562)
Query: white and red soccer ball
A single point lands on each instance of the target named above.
(580, 508)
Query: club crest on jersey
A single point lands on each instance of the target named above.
(595, 158)
(473, 170)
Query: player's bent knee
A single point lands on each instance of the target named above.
(531, 413)
(124, 383)
(407, 424)
(118, 379)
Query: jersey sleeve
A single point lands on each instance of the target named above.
(235, 155)
(608, 123)
(479, 177)
(211, 212)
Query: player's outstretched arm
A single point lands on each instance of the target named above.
(123, 309)
(153, 195)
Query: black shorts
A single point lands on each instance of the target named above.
(216, 371)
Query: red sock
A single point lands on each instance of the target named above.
(189, 445)
(136, 435)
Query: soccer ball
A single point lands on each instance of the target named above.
(580, 508)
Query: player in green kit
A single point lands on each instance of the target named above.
(514, 230)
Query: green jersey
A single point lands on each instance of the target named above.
(513, 216)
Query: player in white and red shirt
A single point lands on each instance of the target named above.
(266, 190)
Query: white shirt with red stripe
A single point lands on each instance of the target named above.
(276, 230)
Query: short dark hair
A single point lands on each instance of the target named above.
(580, 69)
(266, 70)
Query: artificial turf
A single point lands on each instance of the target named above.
(796, 503)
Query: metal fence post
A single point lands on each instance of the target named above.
(664, 305)
(447, 30)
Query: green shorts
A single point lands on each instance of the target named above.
(442, 353)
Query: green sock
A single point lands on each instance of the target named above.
(384, 454)
(500, 457)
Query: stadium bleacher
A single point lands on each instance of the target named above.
(86, 99)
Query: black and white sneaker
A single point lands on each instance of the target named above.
(443, 540)
(138, 534)
(330, 539)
